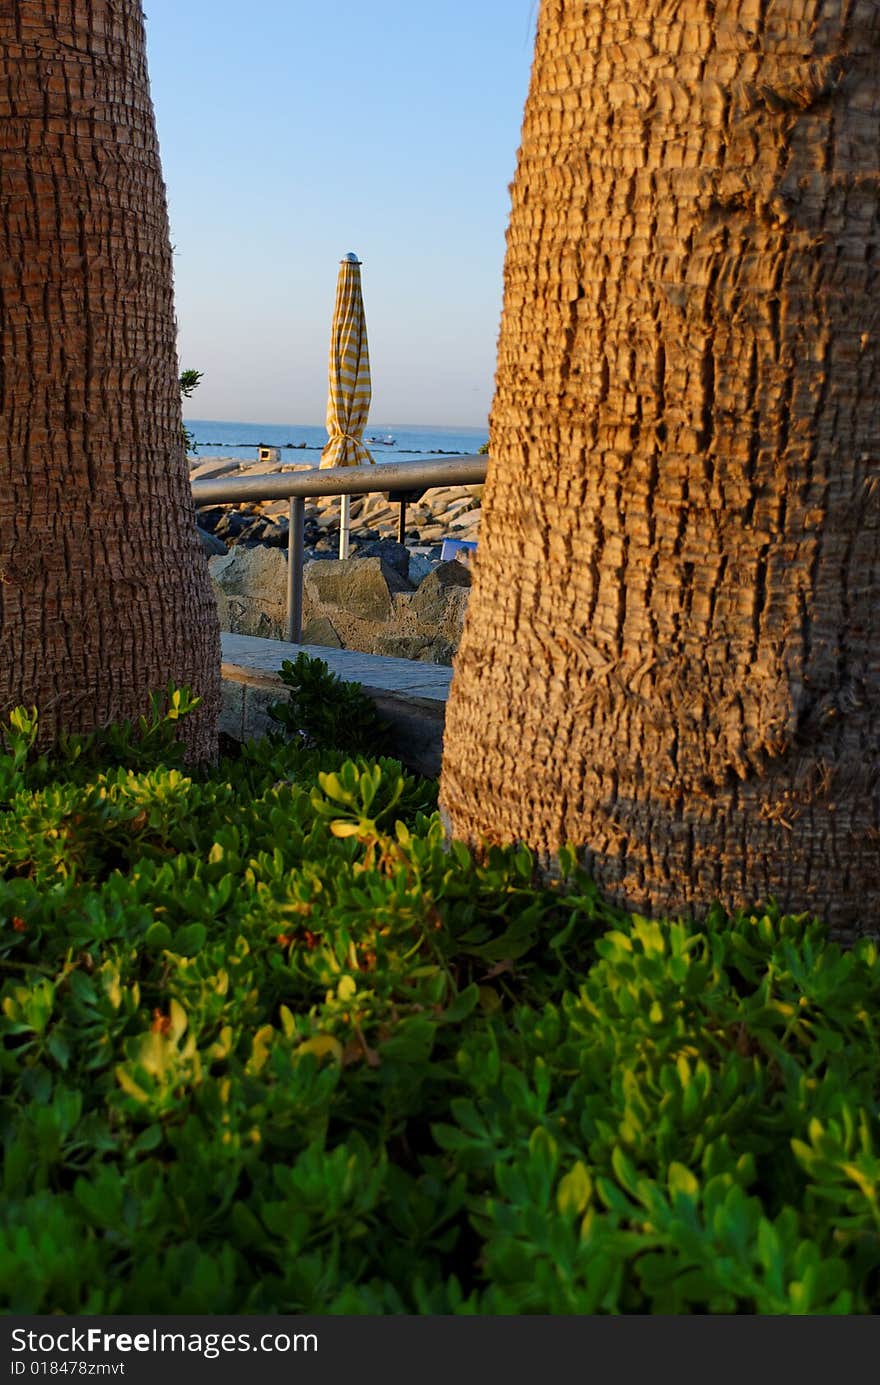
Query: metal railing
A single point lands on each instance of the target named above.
(299, 486)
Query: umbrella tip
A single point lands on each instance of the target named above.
(351, 257)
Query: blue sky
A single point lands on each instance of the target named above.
(293, 131)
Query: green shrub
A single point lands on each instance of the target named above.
(269, 1044)
(324, 711)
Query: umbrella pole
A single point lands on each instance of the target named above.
(344, 525)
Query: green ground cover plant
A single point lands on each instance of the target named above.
(269, 1044)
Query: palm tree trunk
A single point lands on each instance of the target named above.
(672, 652)
(104, 592)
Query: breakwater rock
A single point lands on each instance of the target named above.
(364, 603)
(442, 512)
(385, 598)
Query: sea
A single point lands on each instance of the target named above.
(408, 442)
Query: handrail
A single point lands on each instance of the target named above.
(298, 486)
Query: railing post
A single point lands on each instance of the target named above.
(296, 546)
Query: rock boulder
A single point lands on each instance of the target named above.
(396, 555)
(251, 589)
(364, 587)
(431, 600)
(321, 630)
(214, 547)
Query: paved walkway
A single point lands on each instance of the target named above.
(402, 676)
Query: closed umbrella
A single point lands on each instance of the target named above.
(348, 402)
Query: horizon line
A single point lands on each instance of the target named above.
(263, 423)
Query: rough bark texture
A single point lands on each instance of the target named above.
(104, 591)
(672, 652)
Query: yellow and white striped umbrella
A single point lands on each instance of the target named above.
(348, 403)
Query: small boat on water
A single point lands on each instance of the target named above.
(386, 441)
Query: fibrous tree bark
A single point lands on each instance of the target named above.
(104, 592)
(672, 653)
